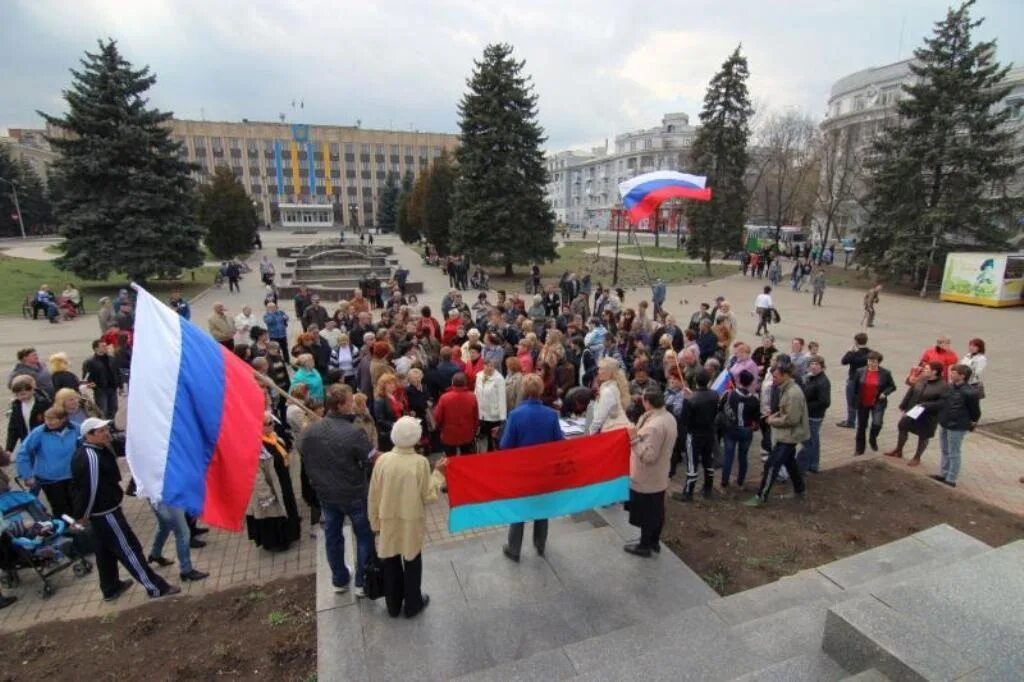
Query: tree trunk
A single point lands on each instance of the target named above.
(707, 261)
(508, 269)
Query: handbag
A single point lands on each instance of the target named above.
(979, 388)
(776, 318)
(373, 577)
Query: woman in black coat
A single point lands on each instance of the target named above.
(25, 393)
(929, 393)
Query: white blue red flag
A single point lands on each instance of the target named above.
(195, 416)
(642, 195)
(722, 383)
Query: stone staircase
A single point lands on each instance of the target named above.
(936, 605)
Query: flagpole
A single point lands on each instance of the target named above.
(266, 381)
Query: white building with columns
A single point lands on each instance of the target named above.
(583, 186)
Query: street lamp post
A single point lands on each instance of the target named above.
(17, 207)
(615, 273)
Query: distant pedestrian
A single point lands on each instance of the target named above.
(763, 307)
(870, 301)
(818, 284)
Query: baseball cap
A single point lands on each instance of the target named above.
(92, 423)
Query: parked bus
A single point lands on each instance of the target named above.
(760, 237)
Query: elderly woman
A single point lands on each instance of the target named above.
(343, 359)
(741, 351)
(613, 397)
(307, 374)
(929, 394)
(451, 327)
(388, 407)
(513, 383)
(362, 418)
(105, 315)
(492, 402)
(272, 519)
(60, 370)
(77, 408)
(400, 487)
(26, 410)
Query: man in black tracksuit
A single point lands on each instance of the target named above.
(698, 419)
(855, 358)
(96, 498)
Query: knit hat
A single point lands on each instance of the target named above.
(406, 432)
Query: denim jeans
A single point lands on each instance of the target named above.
(851, 402)
(334, 540)
(172, 520)
(737, 443)
(950, 442)
(810, 450)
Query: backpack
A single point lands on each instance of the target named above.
(726, 416)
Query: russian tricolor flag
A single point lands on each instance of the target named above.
(722, 383)
(642, 195)
(195, 416)
(538, 482)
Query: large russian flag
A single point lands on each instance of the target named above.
(642, 195)
(195, 417)
(538, 482)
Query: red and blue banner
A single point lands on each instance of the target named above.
(195, 418)
(538, 482)
(642, 195)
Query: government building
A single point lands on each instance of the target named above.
(304, 175)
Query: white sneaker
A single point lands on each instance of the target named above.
(360, 593)
(340, 590)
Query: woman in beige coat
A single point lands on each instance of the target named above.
(649, 462)
(400, 487)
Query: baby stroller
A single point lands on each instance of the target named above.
(30, 538)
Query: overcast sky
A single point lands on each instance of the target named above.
(599, 67)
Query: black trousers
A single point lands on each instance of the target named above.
(700, 452)
(116, 542)
(647, 512)
(485, 432)
(464, 449)
(58, 495)
(106, 401)
(233, 285)
(402, 579)
(783, 455)
(515, 535)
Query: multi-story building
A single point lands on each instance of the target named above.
(294, 171)
(860, 104)
(30, 145)
(287, 166)
(583, 186)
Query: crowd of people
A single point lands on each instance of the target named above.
(363, 394)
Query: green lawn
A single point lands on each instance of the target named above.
(21, 276)
(631, 272)
(650, 251)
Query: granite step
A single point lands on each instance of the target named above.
(869, 675)
(813, 667)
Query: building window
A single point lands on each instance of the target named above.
(349, 173)
(335, 173)
(394, 159)
(352, 191)
(381, 175)
(364, 158)
(365, 149)
(378, 158)
(409, 160)
(350, 158)
(256, 189)
(365, 174)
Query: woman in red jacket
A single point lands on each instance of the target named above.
(458, 418)
(451, 327)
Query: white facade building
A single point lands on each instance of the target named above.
(859, 104)
(583, 186)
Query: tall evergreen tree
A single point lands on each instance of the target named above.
(227, 214)
(407, 231)
(720, 153)
(127, 202)
(435, 213)
(387, 210)
(938, 174)
(500, 211)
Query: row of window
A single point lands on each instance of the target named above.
(253, 146)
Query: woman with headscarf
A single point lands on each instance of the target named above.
(400, 487)
(613, 397)
(272, 518)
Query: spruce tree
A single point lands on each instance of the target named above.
(720, 153)
(939, 172)
(387, 210)
(127, 202)
(227, 215)
(407, 231)
(435, 211)
(500, 213)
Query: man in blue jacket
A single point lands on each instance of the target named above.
(532, 423)
(44, 459)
